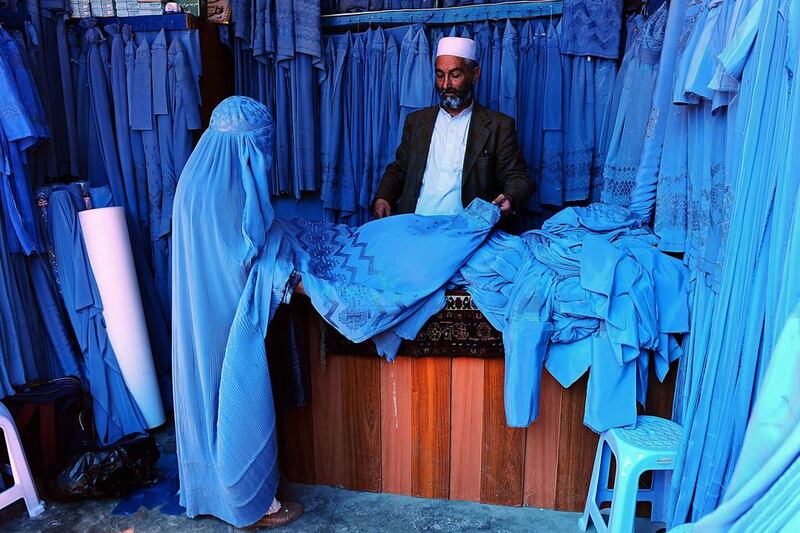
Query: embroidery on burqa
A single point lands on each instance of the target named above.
(577, 165)
(592, 27)
(339, 256)
(672, 192)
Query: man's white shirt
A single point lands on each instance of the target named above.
(441, 182)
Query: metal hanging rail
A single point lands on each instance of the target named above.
(446, 15)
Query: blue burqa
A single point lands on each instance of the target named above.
(763, 492)
(233, 264)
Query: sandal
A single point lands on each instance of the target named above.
(289, 512)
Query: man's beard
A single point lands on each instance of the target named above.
(453, 100)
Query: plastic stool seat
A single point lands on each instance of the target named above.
(651, 434)
(651, 445)
(23, 487)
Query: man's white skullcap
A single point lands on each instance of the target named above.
(457, 46)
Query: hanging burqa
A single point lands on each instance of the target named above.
(232, 265)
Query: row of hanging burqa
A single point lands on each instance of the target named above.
(92, 115)
(556, 76)
(683, 116)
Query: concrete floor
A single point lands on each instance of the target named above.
(327, 509)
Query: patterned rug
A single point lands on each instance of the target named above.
(458, 330)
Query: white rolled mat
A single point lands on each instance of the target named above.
(105, 233)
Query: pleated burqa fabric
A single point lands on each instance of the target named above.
(764, 491)
(729, 359)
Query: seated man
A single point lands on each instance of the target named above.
(457, 151)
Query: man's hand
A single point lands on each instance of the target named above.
(382, 208)
(504, 203)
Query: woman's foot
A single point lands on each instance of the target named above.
(288, 512)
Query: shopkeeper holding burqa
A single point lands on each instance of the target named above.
(456, 151)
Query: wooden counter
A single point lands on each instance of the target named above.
(434, 427)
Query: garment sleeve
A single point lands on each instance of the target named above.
(511, 174)
(394, 177)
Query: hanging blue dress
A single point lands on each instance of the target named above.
(415, 74)
(100, 113)
(508, 71)
(435, 36)
(632, 118)
(643, 195)
(492, 74)
(671, 210)
(23, 126)
(137, 144)
(374, 120)
(552, 183)
(63, 35)
(588, 89)
(354, 156)
(184, 104)
(13, 341)
(332, 120)
(119, 93)
(526, 107)
(115, 412)
(390, 106)
(143, 119)
(482, 34)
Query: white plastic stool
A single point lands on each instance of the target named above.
(651, 445)
(23, 481)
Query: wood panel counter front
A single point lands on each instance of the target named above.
(433, 426)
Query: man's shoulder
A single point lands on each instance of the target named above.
(496, 116)
(422, 114)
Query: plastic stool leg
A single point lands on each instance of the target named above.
(23, 480)
(623, 505)
(604, 492)
(661, 483)
(601, 455)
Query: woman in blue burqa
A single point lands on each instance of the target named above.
(233, 264)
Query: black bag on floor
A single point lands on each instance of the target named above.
(109, 471)
(54, 424)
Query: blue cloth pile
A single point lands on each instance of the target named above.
(588, 290)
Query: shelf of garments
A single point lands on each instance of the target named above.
(445, 15)
(167, 21)
(434, 427)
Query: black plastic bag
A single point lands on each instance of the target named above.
(109, 471)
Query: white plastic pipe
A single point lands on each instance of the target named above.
(108, 245)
